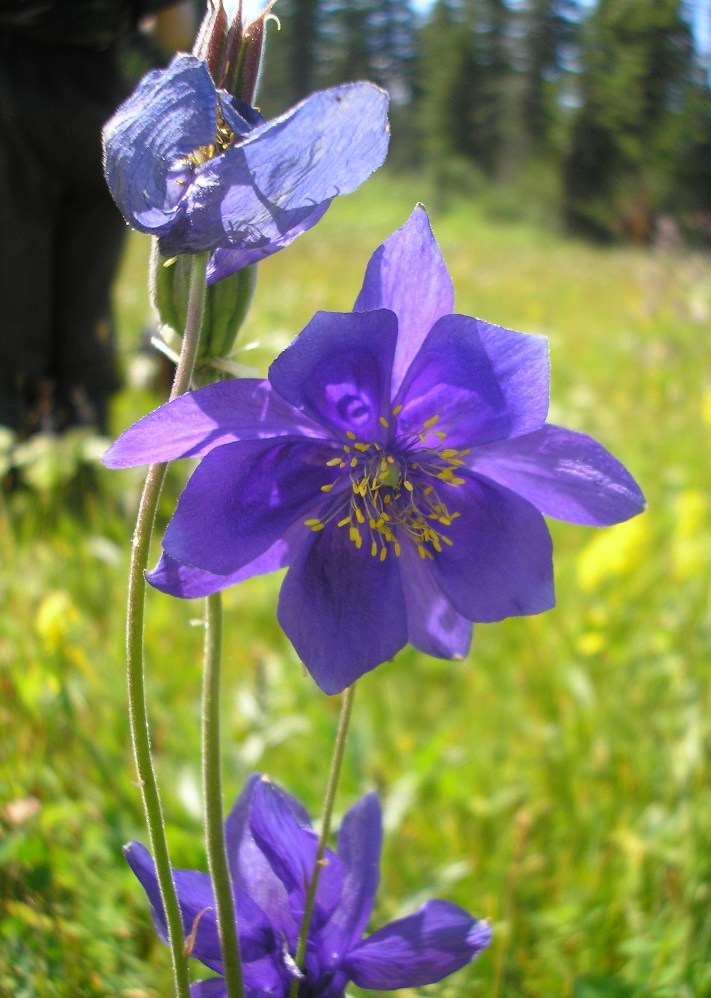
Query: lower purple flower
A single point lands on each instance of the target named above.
(271, 850)
(397, 460)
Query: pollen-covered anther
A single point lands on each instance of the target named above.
(390, 495)
(224, 138)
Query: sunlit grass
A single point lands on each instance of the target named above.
(554, 782)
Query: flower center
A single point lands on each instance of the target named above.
(224, 138)
(386, 492)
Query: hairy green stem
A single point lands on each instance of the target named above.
(137, 706)
(212, 794)
(331, 788)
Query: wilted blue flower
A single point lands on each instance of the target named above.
(397, 460)
(203, 171)
(271, 850)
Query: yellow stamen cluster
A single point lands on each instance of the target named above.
(394, 494)
(224, 138)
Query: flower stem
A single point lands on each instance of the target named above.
(212, 793)
(137, 706)
(332, 786)
(193, 326)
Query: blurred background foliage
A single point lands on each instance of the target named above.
(596, 114)
(556, 781)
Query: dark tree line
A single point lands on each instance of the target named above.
(611, 100)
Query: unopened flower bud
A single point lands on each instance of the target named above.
(226, 304)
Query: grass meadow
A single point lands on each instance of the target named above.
(555, 782)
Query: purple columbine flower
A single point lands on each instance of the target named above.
(271, 850)
(397, 459)
(202, 170)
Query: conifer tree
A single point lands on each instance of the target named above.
(549, 31)
(638, 60)
(463, 72)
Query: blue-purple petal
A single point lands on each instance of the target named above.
(197, 908)
(562, 473)
(170, 114)
(254, 493)
(194, 424)
(484, 382)
(224, 262)
(433, 625)
(250, 868)
(288, 844)
(343, 610)
(262, 979)
(178, 579)
(195, 899)
(337, 371)
(237, 832)
(419, 949)
(408, 275)
(267, 978)
(500, 563)
(290, 847)
(359, 844)
(260, 193)
(215, 987)
(329, 985)
(239, 116)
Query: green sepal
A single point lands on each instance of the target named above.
(226, 303)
